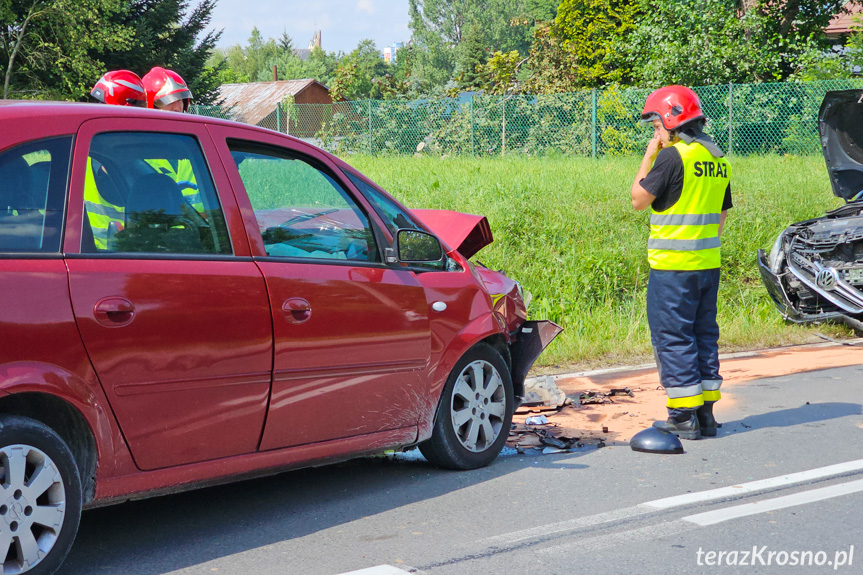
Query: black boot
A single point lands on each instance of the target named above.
(684, 425)
(706, 421)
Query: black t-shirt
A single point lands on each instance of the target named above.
(665, 181)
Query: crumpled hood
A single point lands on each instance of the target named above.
(465, 232)
(840, 125)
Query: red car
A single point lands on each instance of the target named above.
(188, 301)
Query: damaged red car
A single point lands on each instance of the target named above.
(189, 301)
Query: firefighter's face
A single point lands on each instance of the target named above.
(664, 135)
(176, 106)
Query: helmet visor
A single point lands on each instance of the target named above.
(648, 117)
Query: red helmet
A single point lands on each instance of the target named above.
(673, 105)
(165, 86)
(120, 88)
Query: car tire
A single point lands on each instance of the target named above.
(40, 497)
(474, 414)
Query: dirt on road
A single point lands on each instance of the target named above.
(597, 414)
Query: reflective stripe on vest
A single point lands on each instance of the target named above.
(686, 235)
(100, 212)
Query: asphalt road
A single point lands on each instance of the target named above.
(593, 511)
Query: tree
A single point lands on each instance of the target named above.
(500, 72)
(439, 26)
(740, 41)
(593, 31)
(788, 29)
(46, 45)
(471, 58)
(541, 10)
(286, 43)
(551, 65)
(344, 82)
(170, 34)
(716, 48)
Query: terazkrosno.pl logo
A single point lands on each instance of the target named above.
(762, 556)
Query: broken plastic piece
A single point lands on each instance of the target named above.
(536, 420)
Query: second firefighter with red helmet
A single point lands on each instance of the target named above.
(684, 179)
(166, 90)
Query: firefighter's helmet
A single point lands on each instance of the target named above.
(674, 106)
(120, 88)
(164, 87)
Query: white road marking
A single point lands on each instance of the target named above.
(509, 539)
(569, 525)
(735, 490)
(379, 570)
(713, 517)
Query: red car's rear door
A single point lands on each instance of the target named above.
(172, 310)
(352, 335)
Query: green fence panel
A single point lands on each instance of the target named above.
(744, 119)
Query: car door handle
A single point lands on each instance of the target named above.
(297, 310)
(114, 311)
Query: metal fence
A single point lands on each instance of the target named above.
(777, 118)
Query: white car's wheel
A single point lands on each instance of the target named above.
(40, 497)
(475, 412)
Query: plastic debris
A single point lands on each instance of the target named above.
(536, 420)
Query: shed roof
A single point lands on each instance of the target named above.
(843, 22)
(250, 103)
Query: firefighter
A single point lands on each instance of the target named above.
(118, 88)
(166, 90)
(684, 179)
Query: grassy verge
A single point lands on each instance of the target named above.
(565, 228)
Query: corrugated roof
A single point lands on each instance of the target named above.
(844, 22)
(250, 103)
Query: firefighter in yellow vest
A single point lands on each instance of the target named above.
(118, 88)
(166, 90)
(684, 179)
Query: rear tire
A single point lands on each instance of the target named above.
(475, 412)
(40, 497)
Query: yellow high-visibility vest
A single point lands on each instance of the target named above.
(100, 212)
(686, 235)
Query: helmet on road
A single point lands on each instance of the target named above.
(120, 88)
(164, 87)
(674, 106)
(653, 440)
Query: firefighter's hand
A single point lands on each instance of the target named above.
(653, 147)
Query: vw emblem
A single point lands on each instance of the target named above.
(826, 279)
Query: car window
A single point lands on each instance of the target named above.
(395, 217)
(301, 210)
(33, 194)
(151, 193)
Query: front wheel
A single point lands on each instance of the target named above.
(475, 412)
(40, 497)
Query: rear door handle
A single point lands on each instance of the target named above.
(297, 310)
(114, 311)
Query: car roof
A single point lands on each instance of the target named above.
(72, 114)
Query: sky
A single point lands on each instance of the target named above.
(343, 23)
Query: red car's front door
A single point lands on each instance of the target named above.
(351, 334)
(175, 319)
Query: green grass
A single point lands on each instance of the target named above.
(565, 229)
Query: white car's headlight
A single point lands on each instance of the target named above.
(774, 259)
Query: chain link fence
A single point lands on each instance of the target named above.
(744, 119)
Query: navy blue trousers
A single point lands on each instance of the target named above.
(681, 313)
